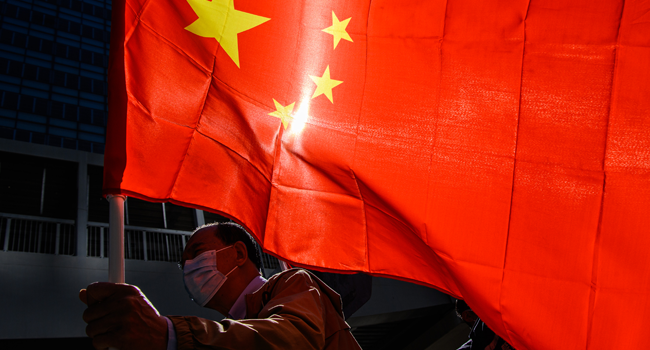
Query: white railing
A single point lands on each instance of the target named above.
(34, 234)
(150, 244)
(140, 243)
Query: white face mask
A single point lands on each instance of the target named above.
(201, 277)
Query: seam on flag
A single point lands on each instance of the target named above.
(356, 140)
(514, 172)
(435, 127)
(235, 152)
(194, 130)
(598, 238)
(175, 47)
(365, 217)
(296, 57)
(219, 47)
(137, 18)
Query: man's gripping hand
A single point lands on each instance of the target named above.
(120, 316)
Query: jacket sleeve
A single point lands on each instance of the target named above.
(293, 318)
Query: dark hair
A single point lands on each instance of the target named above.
(229, 233)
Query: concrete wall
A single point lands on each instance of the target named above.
(39, 292)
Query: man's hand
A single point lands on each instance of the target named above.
(120, 316)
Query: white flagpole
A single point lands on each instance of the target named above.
(116, 238)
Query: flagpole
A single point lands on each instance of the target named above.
(116, 238)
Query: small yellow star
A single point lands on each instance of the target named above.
(218, 19)
(337, 29)
(324, 84)
(284, 113)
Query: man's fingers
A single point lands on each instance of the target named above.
(112, 306)
(100, 291)
(106, 324)
(119, 314)
(82, 296)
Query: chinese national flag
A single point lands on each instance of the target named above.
(495, 150)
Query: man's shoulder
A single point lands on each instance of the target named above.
(297, 279)
(301, 279)
(293, 273)
(286, 284)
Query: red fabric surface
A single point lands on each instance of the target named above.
(495, 150)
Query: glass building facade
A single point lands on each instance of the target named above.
(53, 93)
(53, 62)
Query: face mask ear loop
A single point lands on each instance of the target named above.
(233, 269)
(215, 256)
(224, 248)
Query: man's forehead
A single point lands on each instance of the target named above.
(203, 238)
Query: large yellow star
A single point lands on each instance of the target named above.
(284, 113)
(218, 19)
(337, 29)
(324, 84)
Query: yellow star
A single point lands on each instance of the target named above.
(284, 113)
(337, 29)
(324, 84)
(218, 19)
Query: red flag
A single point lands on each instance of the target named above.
(497, 151)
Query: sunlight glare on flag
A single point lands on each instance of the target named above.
(300, 118)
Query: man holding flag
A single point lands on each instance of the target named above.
(292, 310)
(496, 151)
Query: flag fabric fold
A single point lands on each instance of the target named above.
(497, 151)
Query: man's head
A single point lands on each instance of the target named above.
(217, 235)
(235, 254)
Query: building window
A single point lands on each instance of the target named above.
(38, 186)
(179, 218)
(97, 204)
(158, 215)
